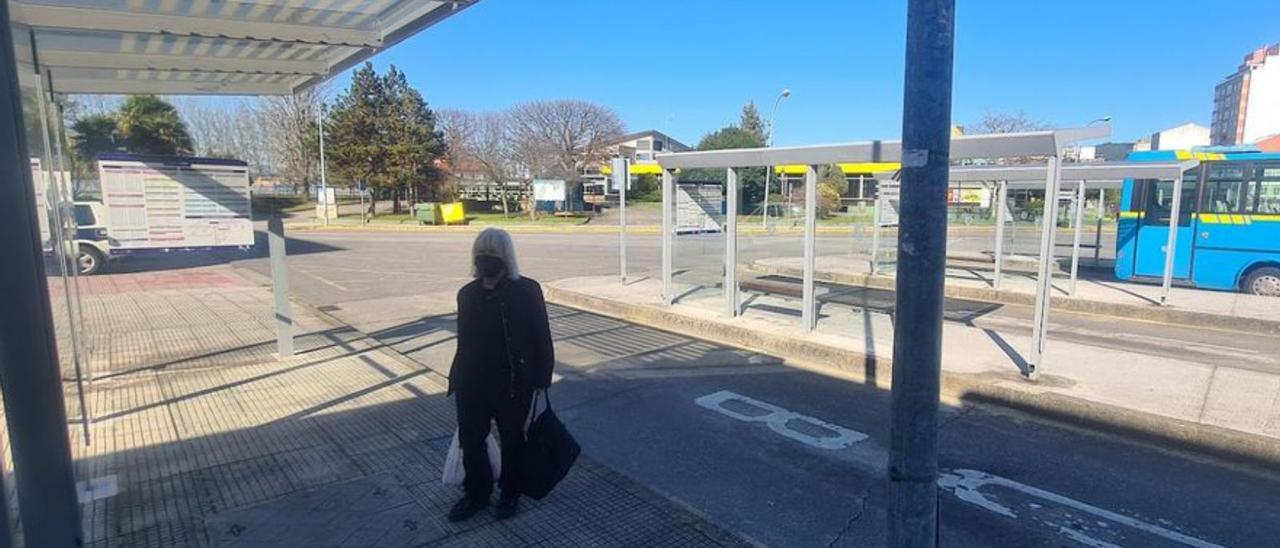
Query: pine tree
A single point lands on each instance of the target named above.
(382, 132)
(751, 122)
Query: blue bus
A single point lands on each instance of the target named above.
(1228, 223)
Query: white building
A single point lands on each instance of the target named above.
(1246, 104)
(1183, 137)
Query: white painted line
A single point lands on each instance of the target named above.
(966, 485)
(779, 420)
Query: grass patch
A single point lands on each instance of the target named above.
(280, 204)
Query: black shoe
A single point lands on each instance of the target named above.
(506, 508)
(466, 508)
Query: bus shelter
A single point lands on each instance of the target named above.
(1079, 179)
(1045, 146)
(49, 48)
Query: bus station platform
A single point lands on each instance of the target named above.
(1141, 385)
(1097, 290)
(201, 435)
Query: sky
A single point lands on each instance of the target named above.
(686, 67)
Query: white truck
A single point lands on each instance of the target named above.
(159, 204)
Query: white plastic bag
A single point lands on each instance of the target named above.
(454, 473)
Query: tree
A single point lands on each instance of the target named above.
(414, 143)
(831, 185)
(571, 134)
(291, 124)
(234, 130)
(383, 133)
(482, 140)
(1007, 122)
(92, 135)
(150, 125)
(751, 179)
(751, 123)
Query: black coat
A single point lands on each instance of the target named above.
(528, 332)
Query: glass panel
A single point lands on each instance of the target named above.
(1160, 202)
(1224, 189)
(84, 215)
(1268, 192)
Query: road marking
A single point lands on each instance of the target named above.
(779, 420)
(966, 485)
(322, 279)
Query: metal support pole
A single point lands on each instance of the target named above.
(921, 272)
(280, 287)
(324, 182)
(668, 228)
(1097, 238)
(1044, 279)
(875, 234)
(809, 316)
(622, 177)
(1002, 203)
(1075, 243)
(731, 192)
(30, 379)
(1170, 248)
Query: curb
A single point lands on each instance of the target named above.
(1151, 313)
(1129, 424)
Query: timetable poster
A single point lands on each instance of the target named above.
(163, 203)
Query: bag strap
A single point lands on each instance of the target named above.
(533, 408)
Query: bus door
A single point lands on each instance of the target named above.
(1153, 228)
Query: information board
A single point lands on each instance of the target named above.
(175, 202)
(888, 194)
(549, 190)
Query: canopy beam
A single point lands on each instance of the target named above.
(90, 19)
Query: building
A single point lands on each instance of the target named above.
(639, 147)
(1183, 137)
(1269, 144)
(1246, 104)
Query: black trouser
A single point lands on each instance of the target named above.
(477, 405)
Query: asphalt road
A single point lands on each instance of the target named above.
(331, 268)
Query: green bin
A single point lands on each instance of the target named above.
(427, 213)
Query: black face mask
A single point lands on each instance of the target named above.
(490, 266)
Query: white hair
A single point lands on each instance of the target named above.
(495, 242)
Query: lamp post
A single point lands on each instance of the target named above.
(768, 174)
(324, 182)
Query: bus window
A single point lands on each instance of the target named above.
(1223, 190)
(1267, 193)
(1160, 199)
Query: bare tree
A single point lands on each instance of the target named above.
(229, 130)
(482, 140)
(1007, 122)
(570, 134)
(293, 132)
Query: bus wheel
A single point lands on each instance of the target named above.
(1263, 281)
(89, 260)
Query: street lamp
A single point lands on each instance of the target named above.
(768, 174)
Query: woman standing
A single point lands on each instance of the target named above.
(504, 354)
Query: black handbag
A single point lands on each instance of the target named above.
(549, 451)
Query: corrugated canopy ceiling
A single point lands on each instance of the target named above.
(228, 47)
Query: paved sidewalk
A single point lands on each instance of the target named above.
(1222, 406)
(202, 437)
(1094, 294)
